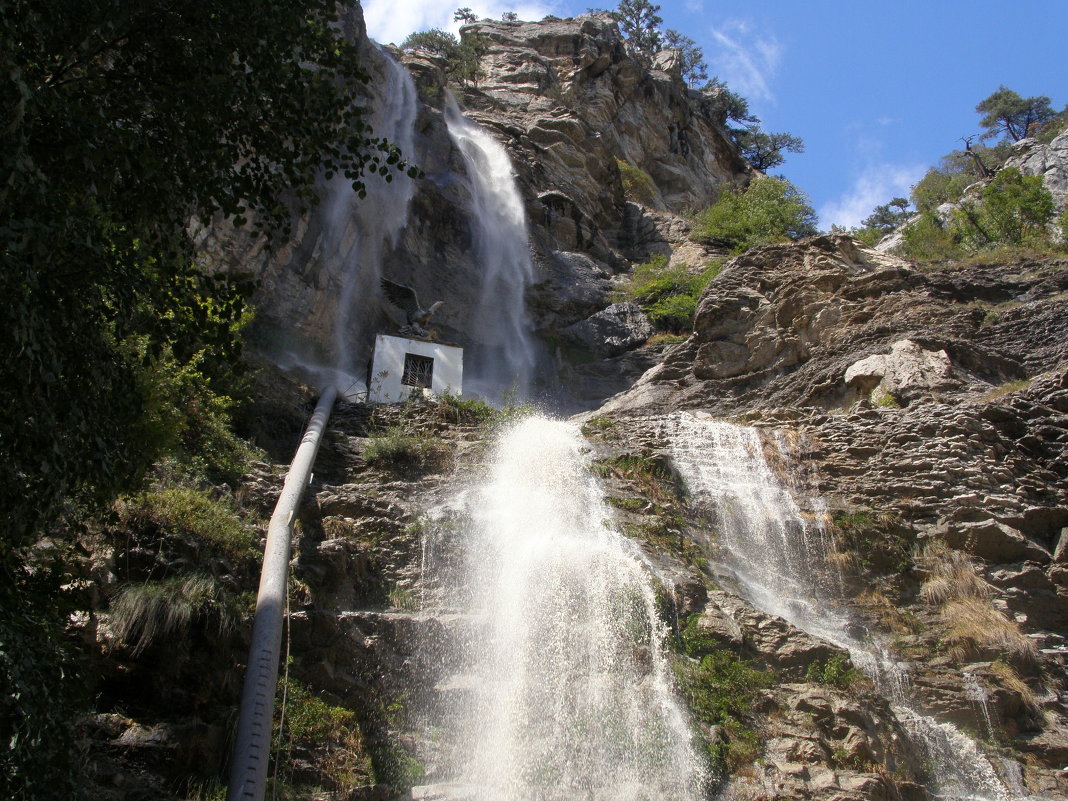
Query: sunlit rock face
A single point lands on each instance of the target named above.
(567, 105)
(1048, 161)
(824, 322)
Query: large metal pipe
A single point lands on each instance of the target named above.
(252, 749)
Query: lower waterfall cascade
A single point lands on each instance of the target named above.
(774, 553)
(566, 689)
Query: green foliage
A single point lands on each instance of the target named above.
(42, 694)
(471, 410)
(395, 767)
(435, 40)
(123, 123)
(601, 427)
(464, 16)
(154, 611)
(692, 65)
(1005, 113)
(1053, 127)
(940, 185)
(765, 150)
(305, 724)
(878, 540)
(768, 210)
(927, 239)
(889, 216)
(639, 22)
(735, 107)
(462, 56)
(1007, 388)
(882, 220)
(697, 641)
(720, 688)
(627, 504)
(397, 447)
(214, 524)
(1013, 209)
(835, 672)
(884, 400)
(669, 296)
(638, 185)
(762, 149)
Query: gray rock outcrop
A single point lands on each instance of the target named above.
(1050, 161)
(573, 108)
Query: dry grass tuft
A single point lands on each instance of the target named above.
(887, 612)
(950, 576)
(974, 627)
(1010, 680)
(142, 614)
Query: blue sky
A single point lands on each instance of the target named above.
(878, 91)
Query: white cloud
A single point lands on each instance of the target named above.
(745, 59)
(875, 185)
(392, 20)
(696, 6)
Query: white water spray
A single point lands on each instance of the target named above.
(502, 246)
(361, 231)
(776, 554)
(567, 690)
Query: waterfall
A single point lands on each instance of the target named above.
(775, 553)
(977, 694)
(360, 231)
(500, 320)
(565, 690)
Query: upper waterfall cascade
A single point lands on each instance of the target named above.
(564, 688)
(500, 320)
(775, 554)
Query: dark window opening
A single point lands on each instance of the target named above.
(418, 371)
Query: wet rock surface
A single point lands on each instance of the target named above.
(570, 104)
(927, 409)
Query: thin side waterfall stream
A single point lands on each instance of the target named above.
(775, 553)
(565, 690)
(363, 230)
(500, 321)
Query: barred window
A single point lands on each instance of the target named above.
(418, 371)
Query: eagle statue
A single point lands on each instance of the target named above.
(405, 299)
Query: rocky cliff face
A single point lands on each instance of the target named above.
(929, 409)
(572, 107)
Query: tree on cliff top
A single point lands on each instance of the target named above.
(463, 57)
(464, 15)
(768, 210)
(640, 21)
(1006, 113)
(692, 67)
(765, 150)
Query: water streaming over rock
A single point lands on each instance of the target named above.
(977, 694)
(361, 231)
(564, 688)
(776, 554)
(500, 322)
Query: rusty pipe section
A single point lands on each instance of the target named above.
(252, 747)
